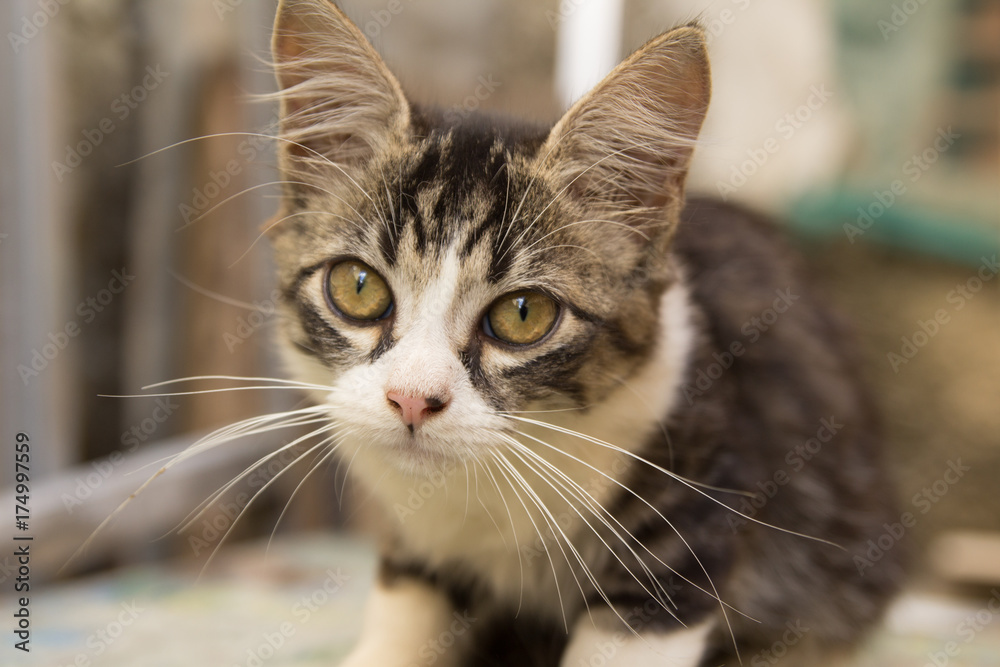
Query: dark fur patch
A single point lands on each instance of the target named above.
(554, 372)
(332, 346)
(385, 343)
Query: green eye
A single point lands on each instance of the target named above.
(521, 318)
(357, 292)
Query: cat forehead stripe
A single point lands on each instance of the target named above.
(455, 184)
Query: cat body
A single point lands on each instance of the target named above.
(603, 424)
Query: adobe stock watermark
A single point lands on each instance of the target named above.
(223, 7)
(226, 513)
(913, 170)
(752, 330)
(923, 502)
(130, 440)
(956, 299)
(218, 181)
(381, 18)
(422, 492)
(487, 85)
(725, 18)
(434, 649)
(900, 15)
(797, 459)
(547, 535)
(99, 641)
(302, 611)
(966, 631)
(121, 108)
(785, 128)
(793, 634)
(604, 651)
(34, 23)
(592, 493)
(566, 9)
(87, 310)
(249, 325)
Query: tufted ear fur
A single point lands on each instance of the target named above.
(624, 148)
(339, 102)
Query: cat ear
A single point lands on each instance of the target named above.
(624, 148)
(339, 102)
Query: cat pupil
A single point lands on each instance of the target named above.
(522, 308)
(361, 281)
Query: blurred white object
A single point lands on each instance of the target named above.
(776, 127)
(588, 44)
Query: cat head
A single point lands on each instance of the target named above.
(440, 272)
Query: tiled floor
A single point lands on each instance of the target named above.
(300, 606)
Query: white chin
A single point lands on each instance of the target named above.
(418, 454)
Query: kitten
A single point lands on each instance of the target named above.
(635, 437)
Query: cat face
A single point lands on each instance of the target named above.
(439, 276)
(476, 311)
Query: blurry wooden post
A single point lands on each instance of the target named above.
(182, 320)
(200, 212)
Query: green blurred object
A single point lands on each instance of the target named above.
(959, 240)
(914, 70)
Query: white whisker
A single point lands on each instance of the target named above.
(317, 462)
(194, 392)
(589, 574)
(283, 140)
(682, 480)
(231, 197)
(254, 497)
(282, 219)
(221, 298)
(553, 474)
(220, 436)
(531, 183)
(549, 248)
(555, 576)
(202, 507)
(293, 383)
(686, 482)
(475, 471)
(567, 187)
(627, 227)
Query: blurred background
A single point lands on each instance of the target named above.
(135, 184)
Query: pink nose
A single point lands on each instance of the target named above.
(415, 411)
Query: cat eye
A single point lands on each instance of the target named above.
(521, 318)
(357, 292)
